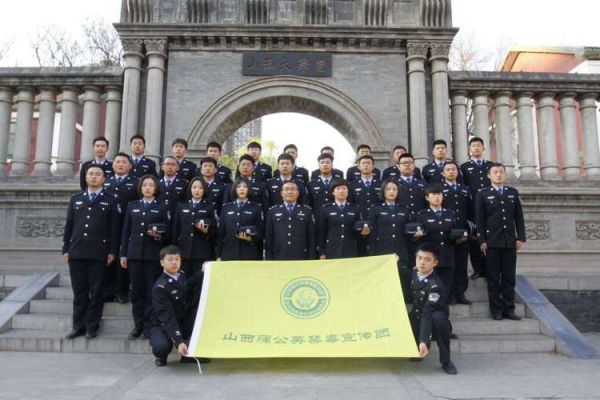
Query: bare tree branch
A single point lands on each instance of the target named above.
(53, 47)
(102, 42)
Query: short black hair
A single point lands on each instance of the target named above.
(180, 141)
(292, 181)
(208, 160)
(406, 155)
(476, 139)
(286, 156)
(451, 162)
(439, 141)
(137, 137)
(363, 146)
(323, 156)
(429, 247)
(96, 166)
(246, 157)
(167, 157)
(169, 250)
(327, 148)
(339, 182)
(290, 146)
(213, 144)
(365, 157)
(399, 147)
(122, 154)
(253, 145)
(101, 139)
(496, 164)
(204, 186)
(433, 188)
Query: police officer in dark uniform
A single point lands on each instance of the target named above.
(299, 174)
(215, 187)
(353, 173)
(274, 185)
(223, 173)
(257, 192)
(142, 165)
(290, 228)
(458, 199)
(337, 233)
(173, 189)
(501, 233)
(412, 190)
(123, 185)
(194, 228)
(241, 226)
(319, 189)
(90, 243)
(475, 176)
(100, 150)
(186, 169)
(429, 314)
(336, 173)
(394, 170)
(263, 171)
(432, 172)
(365, 192)
(145, 231)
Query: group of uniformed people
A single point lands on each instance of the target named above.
(128, 211)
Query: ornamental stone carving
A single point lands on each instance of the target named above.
(441, 50)
(133, 45)
(156, 46)
(417, 49)
(587, 230)
(34, 227)
(537, 230)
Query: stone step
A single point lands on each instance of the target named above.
(478, 310)
(59, 293)
(477, 295)
(517, 343)
(13, 280)
(488, 326)
(5, 291)
(65, 307)
(46, 322)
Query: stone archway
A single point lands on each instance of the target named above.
(285, 94)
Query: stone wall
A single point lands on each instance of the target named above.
(580, 307)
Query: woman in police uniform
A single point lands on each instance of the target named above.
(194, 224)
(241, 226)
(145, 232)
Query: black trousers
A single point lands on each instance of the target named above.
(460, 280)
(193, 267)
(117, 280)
(478, 261)
(441, 329)
(362, 246)
(87, 281)
(405, 281)
(143, 274)
(501, 268)
(161, 343)
(446, 275)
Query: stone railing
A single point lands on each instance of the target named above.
(40, 94)
(544, 126)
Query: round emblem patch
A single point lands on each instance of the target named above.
(305, 298)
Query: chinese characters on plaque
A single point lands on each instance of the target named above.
(299, 64)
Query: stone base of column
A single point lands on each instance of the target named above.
(571, 173)
(550, 174)
(19, 168)
(64, 169)
(592, 174)
(528, 177)
(41, 169)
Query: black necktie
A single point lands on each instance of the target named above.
(119, 180)
(478, 163)
(368, 184)
(135, 162)
(92, 196)
(438, 213)
(453, 188)
(290, 208)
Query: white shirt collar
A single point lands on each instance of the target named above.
(176, 276)
(422, 277)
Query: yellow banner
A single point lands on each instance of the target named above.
(329, 308)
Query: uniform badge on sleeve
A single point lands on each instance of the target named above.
(434, 297)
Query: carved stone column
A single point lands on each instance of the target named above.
(132, 59)
(439, 84)
(113, 119)
(481, 119)
(589, 120)
(568, 130)
(417, 55)
(547, 137)
(156, 51)
(20, 162)
(6, 101)
(527, 160)
(91, 120)
(66, 140)
(45, 132)
(504, 132)
(459, 126)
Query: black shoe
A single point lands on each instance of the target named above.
(461, 299)
(453, 336)
(497, 316)
(91, 335)
(159, 362)
(476, 275)
(511, 316)
(450, 368)
(122, 299)
(75, 333)
(135, 333)
(452, 301)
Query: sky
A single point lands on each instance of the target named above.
(522, 23)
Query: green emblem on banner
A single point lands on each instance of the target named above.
(305, 298)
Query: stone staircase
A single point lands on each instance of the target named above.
(49, 319)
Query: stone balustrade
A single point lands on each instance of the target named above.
(78, 95)
(543, 126)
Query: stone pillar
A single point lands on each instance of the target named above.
(6, 101)
(527, 160)
(113, 119)
(589, 121)
(66, 139)
(417, 54)
(45, 132)
(20, 163)
(439, 84)
(156, 51)
(504, 132)
(132, 60)
(91, 120)
(481, 119)
(459, 126)
(547, 136)
(568, 131)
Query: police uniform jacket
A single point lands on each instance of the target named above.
(174, 193)
(412, 195)
(458, 199)
(388, 234)
(216, 194)
(429, 296)
(193, 243)
(336, 236)
(432, 173)
(170, 308)
(263, 171)
(319, 194)
(232, 218)
(223, 174)
(394, 173)
(274, 191)
(257, 194)
(437, 230)
(106, 166)
(364, 196)
(92, 227)
(336, 173)
(475, 176)
(144, 166)
(125, 192)
(298, 174)
(499, 217)
(353, 173)
(187, 170)
(290, 236)
(136, 244)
